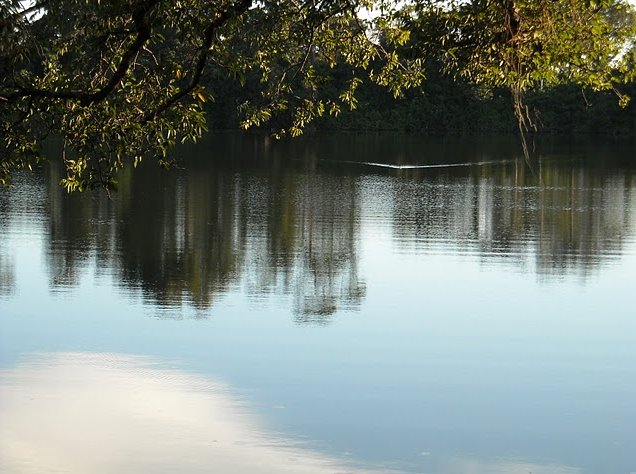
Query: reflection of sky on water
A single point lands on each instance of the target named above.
(77, 413)
(80, 413)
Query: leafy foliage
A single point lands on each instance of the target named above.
(525, 44)
(121, 81)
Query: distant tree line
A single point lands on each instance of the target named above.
(446, 105)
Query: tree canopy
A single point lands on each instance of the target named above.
(124, 80)
(525, 44)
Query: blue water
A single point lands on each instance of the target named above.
(441, 320)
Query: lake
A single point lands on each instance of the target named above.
(337, 303)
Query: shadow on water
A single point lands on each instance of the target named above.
(285, 217)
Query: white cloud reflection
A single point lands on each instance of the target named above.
(79, 413)
(93, 414)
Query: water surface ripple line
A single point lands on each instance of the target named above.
(413, 167)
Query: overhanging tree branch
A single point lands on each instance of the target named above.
(237, 9)
(142, 28)
(11, 17)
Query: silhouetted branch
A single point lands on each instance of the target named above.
(143, 31)
(234, 11)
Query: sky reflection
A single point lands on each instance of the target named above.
(80, 413)
(84, 413)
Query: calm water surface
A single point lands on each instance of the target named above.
(333, 304)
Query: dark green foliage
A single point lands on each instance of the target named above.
(443, 105)
(568, 109)
(119, 81)
(122, 81)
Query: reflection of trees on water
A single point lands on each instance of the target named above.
(177, 241)
(7, 272)
(285, 219)
(185, 238)
(304, 226)
(567, 218)
(21, 217)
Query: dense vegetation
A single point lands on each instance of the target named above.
(124, 80)
(443, 105)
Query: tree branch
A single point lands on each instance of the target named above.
(237, 9)
(10, 18)
(143, 30)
